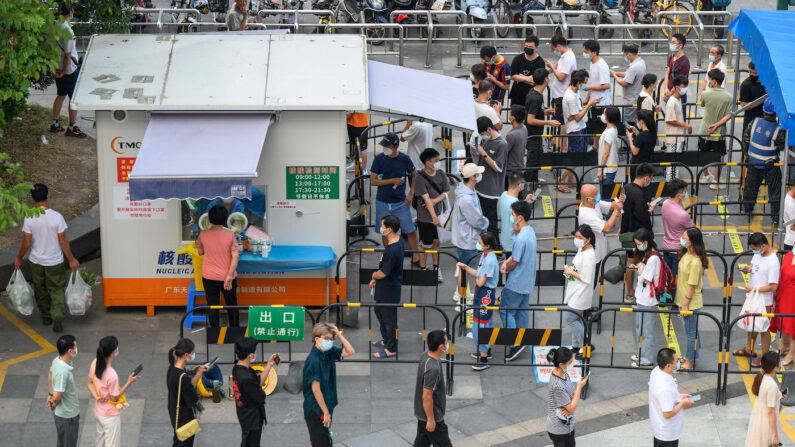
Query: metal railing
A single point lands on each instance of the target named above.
(492, 26)
(698, 27)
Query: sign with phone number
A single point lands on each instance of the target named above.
(313, 182)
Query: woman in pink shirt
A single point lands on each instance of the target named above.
(675, 221)
(103, 383)
(219, 268)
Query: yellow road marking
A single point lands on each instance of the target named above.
(722, 208)
(548, 210)
(670, 335)
(46, 347)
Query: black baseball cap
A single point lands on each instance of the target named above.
(390, 139)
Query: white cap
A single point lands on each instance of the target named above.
(471, 169)
(228, 200)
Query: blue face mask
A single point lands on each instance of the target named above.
(193, 357)
(513, 221)
(582, 87)
(682, 242)
(712, 58)
(757, 252)
(326, 344)
(672, 47)
(683, 91)
(478, 247)
(556, 53)
(678, 365)
(586, 56)
(598, 198)
(640, 247)
(626, 59)
(489, 62)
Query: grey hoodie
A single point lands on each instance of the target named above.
(468, 219)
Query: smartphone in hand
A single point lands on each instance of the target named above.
(138, 369)
(213, 362)
(695, 398)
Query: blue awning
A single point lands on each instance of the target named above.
(769, 36)
(193, 155)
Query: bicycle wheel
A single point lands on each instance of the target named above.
(502, 14)
(680, 23)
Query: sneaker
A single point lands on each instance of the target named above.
(57, 325)
(46, 321)
(441, 280)
(634, 358)
(713, 185)
(56, 128)
(481, 365)
(640, 365)
(476, 355)
(514, 353)
(74, 131)
(629, 299)
(365, 172)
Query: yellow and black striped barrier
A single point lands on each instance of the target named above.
(519, 337)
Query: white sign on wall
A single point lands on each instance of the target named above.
(145, 209)
(545, 369)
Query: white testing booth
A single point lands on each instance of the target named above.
(184, 120)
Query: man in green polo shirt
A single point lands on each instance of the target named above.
(62, 400)
(320, 381)
(717, 103)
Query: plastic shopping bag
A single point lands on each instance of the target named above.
(754, 304)
(78, 295)
(19, 293)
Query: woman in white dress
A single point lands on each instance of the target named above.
(763, 426)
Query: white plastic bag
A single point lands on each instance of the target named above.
(78, 295)
(442, 232)
(754, 304)
(19, 293)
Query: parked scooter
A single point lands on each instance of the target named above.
(601, 6)
(477, 12)
(513, 12)
(371, 11)
(641, 12)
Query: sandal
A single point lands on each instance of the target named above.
(756, 364)
(379, 344)
(382, 354)
(744, 352)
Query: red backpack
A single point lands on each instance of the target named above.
(665, 288)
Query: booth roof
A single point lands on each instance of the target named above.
(768, 37)
(223, 72)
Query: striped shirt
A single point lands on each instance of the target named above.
(561, 393)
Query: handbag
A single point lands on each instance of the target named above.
(189, 429)
(754, 304)
(119, 404)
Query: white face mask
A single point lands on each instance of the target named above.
(478, 178)
(387, 151)
(485, 137)
(683, 91)
(437, 165)
(117, 352)
(602, 117)
(579, 243)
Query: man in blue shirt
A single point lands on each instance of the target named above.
(320, 381)
(388, 281)
(521, 271)
(388, 172)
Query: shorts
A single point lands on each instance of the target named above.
(428, 233)
(712, 146)
(353, 134)
(400, 210)
(65, 85)
(578, 144)
(595, 126)
(557, 103)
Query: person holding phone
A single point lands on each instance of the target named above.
(763, 425)
(249, 394)
(563, 398)
(103, 384)
(665, 402)
(181, 386)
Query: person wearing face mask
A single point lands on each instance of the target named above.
(523, 66)
(419, 136)
(62, 400)
(630, 80)
(642, 140)
(645, 99)
(579, 287)
(575, 114)
(675, 221)
(516, 138)
(592, 211)
(717, 104)
(765, 270)
(468, 218)
(675, 124)
(320, 381)
(486, 276)
(430, 399)
(598, 87)
(492, 150)
(637, 214)
(431, 188)
(561, 76)
(693, 261)
(648, 271)
(765, 141)
(182, 388)
(608, 146)
(536, 121)
(498, 72)
(563, 397)
(103, 384)
(751, 89)
(386, 283)
(716, 63)
(666, 403)
(516, 184)
(249, 395)
(678, 65)
(484, 108)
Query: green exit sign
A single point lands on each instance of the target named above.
(313, 182)
(276, 323)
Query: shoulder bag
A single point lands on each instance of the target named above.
(119, 404)
(191, 428)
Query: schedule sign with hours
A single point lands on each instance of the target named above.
(313, 182)
(276, 323)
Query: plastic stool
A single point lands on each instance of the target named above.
(192, 317)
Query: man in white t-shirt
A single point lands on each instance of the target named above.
(764, 269)
(716, 61)
(560, 78)
(66, 76)
(419, 137)
(45, 237)
(598, 87)
(675, 124)
(665, 401)
(592, 211)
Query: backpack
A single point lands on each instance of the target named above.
(665, 289)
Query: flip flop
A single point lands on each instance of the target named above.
(379, 344)
(383, 355)
(756, 364)
(743, 353)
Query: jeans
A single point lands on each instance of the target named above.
(468, 257)
(562, 440)
(573, 321)
(49, 284)
(437, 438)
(673, 262)
(67, 431)
(693, 343)
(387, 319)
(514, 318)
(213, 290)
(645, 326)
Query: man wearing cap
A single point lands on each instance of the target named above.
(766, 141)
(388, 172)
(468, 219)
(492, 150)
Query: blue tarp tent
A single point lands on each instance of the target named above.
(769, 37)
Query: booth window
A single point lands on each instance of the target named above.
(254, 209)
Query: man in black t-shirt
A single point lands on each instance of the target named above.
(387, 281)
(430, 400)
(249, 395)
(750, 90)
(637, 214)
(536, 120)
(522, 68)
